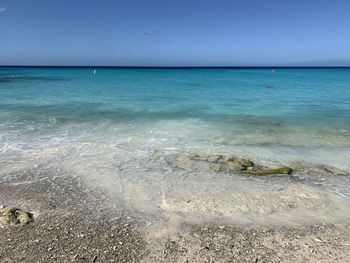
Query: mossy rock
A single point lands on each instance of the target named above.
(12, 215)
(255, 171)
(238, 164)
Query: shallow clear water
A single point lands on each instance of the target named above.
(118, 128)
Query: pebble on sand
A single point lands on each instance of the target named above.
(15, 216)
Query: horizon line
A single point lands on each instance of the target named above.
(166, 67)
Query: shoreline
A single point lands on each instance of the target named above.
(74, 223)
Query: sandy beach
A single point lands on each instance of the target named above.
(74, 223)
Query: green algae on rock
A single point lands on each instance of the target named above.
(220, 163)
(257, 171)
(238, 164)
(12, 215)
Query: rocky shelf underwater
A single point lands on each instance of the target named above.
(220, 163)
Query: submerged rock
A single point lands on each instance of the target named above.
(215, 158)
(238, 164)
(216, 167)
(258, 171)
(220, 163)
(335, 170)
(197, 157)
(12, 215)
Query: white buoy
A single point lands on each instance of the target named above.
(94, 71)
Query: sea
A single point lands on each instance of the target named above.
(132, 132)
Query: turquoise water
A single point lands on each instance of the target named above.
(127, 123)
(302, 102)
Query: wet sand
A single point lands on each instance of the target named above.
(77, 223)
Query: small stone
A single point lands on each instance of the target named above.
(12, 215)
(24, 217)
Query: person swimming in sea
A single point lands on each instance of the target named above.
(270, 86)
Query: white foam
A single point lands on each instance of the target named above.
(130, 162)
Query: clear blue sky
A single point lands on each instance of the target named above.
(175, 32)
